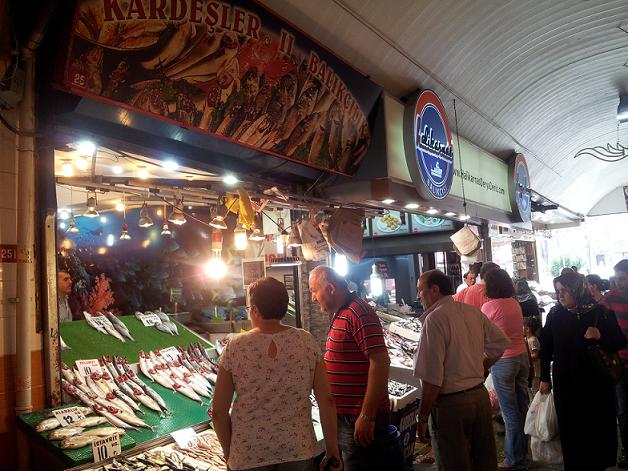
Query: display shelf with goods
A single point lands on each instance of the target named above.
(524, 260)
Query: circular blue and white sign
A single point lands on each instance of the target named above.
(520, 194)
(431, 157)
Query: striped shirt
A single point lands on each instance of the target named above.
(618, 303)
(354, 334)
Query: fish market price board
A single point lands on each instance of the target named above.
(87, 367)
(107, 447)
(68, 416)
(149, 320)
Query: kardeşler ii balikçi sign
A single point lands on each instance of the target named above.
(428, 145)
(232, 69)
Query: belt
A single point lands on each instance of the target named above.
(481, 385)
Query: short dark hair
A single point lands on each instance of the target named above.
(522, 287)
(622, 266)
(466, 274)
(438, 278)
(596, 280)
(499, 284)
(532, 323)
(486, 267)
(270, 297)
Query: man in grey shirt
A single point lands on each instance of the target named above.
(458, 344)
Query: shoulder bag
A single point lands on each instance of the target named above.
(608, 366)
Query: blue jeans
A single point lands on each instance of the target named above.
(622, 410)
(358, 458)
(510, 376)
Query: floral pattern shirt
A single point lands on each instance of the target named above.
(271, 417)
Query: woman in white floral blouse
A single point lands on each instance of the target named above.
(272, 370)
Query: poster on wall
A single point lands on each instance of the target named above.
(232, 69)
(421, 223)
(391, 223)
(252, 269)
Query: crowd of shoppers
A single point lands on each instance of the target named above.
(491, 325)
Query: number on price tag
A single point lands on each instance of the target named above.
(185, 438)
(170, 353)
(149, 320)
(68, 416)
(104, 448)
(87, 367)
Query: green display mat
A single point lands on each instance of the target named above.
(71, 457)
(86, 343)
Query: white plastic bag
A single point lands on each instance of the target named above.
(492, 394)
(541, 420)
(546, 452)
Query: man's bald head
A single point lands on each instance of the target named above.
(328, 288)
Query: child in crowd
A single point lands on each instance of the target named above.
(531, 328)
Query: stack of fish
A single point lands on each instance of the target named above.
(78, 434)
(397, 389)
(401, 350)
(161, 459)
(108, 324)
(190, 374)
(164, 325)
(207, 450)
(116, 394)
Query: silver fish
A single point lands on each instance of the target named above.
(162, 327)
(120, 326)
(103, 432)
(64, 346)
(47, 424)
(90, 321)
(111, 330)
(77, 441)
(162, 315)
(64, 432)
(90, 422)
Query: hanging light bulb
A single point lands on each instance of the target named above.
(239, 238)
(177, 217)
(279, 243)
(215, 268)
(218, 223)
(294, 239)
(165, 230)
(257, 235)
(142, 173)
(91, 206)
(125, 232)
(72, 229)
(145, 220)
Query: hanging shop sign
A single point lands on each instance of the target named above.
(428, 145)
(231, 69)
(519, 180)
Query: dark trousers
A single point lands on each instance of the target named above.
(358, 458)
(622, 410)
(462, 432)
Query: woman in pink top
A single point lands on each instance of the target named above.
(510, 372)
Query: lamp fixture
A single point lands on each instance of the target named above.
(450, 214)
(388, 201)
(72, 229)
(117, 170)
(142, 173)
(432, 211)
(218, 223)
(91, 204)
(412, 206)
(239, 238)
(125, 232)
(622, 108)
(295, 237)
(177, 217)
(229, 180)
(257, 235)
(86, 148)
(145, 220)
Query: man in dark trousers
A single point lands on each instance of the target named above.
(357, 366)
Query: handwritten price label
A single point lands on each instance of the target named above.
(149, 320)
(107, 447)
(87, 367)
(170, 353)
(185, 438)
(68, 416)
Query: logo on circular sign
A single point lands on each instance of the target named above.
(521, 179)
(432, 156)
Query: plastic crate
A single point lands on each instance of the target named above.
(406, 422)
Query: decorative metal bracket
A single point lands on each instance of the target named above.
(609, 153)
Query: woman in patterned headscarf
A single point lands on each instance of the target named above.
(585, 404)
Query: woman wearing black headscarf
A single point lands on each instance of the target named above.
(526, 299)
(585, 404)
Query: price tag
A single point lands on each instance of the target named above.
(185, 438)
(149, 319)
(100, 321)
(104, 448)
(170, 353)
(68, 416)
(87, 367)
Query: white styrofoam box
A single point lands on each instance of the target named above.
(404, 375)
(399, 403)
(405, 333)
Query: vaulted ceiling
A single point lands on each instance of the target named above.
(541, 77)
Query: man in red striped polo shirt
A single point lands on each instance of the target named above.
(617, 300)
(357, 367)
